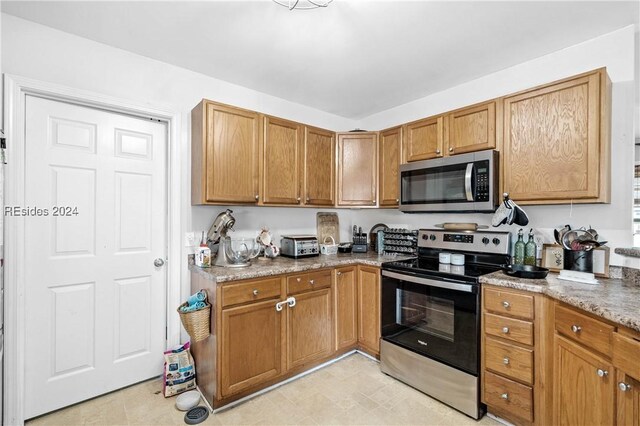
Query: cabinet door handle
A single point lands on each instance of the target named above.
(506, 304)
(505, 396)
(450, 149)
(308, 199)
(279, 306)
(505, 330)
(257, 197)
(624, 386)
(576, 328)
(505, 360)
(338, 273)
(397, 200)
(298, 279)
(298, 199)
(437, 151)
(311, 282)
(255, 292)
(291, 301)
(602, 373)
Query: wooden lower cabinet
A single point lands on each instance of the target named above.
(346, 318)
(309, 328)
(583, 386)
(251, 346)
(369, 309)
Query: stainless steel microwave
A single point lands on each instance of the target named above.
(461, 183)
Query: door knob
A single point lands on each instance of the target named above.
(437, 151)
(576, 328)
(602, 373)
(298, 199)
(624, 386)
(450, 149)
(506, 304)
(505, 330)
(311, 282)
(255, 292)
(257, 197)
(504, 396)
(158, 262)
(505, 360)
(338, 273)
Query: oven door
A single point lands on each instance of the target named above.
(435, 318)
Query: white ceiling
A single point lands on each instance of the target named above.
(354, 58)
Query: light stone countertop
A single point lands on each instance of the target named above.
(263, 267)
(617, 300)
(628, 251)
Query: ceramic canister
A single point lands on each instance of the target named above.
(457, 259)
(444, 257)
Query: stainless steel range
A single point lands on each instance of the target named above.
(431, 314)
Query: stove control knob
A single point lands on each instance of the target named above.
(485, 241)
(496, 241)
(432, 237)
(425, 237)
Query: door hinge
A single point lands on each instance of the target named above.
(3, 147)
(166, 333)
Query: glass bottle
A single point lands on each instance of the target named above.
(518, 255)
(530, 250)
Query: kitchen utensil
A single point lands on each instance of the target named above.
(526, 271)
(345, 247)
(271, 251)
(504, 210)
(457, 259)
(240, 250)
(444, 257)
(561, 233)
(593, 233)
(574, 235)
(461, 226)
(329, 246)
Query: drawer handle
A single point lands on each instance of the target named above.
(505, 330)
(338, 273)
(602, 373)
(624, 386)
(576, 328)
(506, 304)
(505, 360)
(298, 279)
(505, 396)
(311, 282)
(255, 292)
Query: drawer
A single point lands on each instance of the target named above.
(626, 353)
(509, 360)
(509, 303)
(509, 328)
(586, 330)
(310, 281)
(509, 396)
(251, 291)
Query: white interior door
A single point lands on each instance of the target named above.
(95, 303)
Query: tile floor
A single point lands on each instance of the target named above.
(351, 391)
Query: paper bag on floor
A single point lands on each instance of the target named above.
(179, 371)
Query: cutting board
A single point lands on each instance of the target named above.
(328, 225)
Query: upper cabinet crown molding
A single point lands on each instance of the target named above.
(556, 146)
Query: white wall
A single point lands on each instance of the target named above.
(39, 52)
(616, 51)
(42, 53)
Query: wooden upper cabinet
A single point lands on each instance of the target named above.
(423, 139)
(281, 161)
(357, 168)
(557, 142)
(389, 163)
(224, 154)
(319, 167)
(471, 129)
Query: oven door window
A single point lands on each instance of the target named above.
(440, 323)
(434, 185)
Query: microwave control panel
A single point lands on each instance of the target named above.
(482, 180)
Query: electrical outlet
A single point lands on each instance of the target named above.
(190, 239)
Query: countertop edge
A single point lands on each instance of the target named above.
(628, 251)
(542, 287)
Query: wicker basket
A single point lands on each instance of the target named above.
(197, 323)
(329, 249)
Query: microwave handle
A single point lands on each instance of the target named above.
(468, 176)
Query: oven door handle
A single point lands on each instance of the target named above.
(468, 175)
(467, 288)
